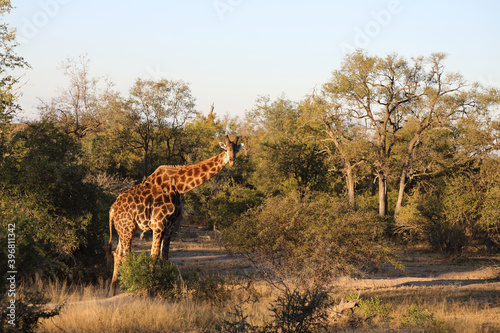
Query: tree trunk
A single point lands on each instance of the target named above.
(382, 194)
(412, 146)
(382, 180)
(350, 184)
(145, 164)
(402, 186)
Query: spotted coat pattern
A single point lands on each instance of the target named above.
(155, 204)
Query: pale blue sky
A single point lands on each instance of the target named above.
(231, 51)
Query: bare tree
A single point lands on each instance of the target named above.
(80, 107)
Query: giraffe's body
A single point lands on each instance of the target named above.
(155, 204)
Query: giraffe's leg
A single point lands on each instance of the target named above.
(118, 259)
(157, 241)
(120, 254)
(165, 246)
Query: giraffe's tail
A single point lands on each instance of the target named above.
(109, 246)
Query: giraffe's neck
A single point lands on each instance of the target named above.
(192, 176)
(186, 178)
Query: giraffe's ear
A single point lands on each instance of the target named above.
(223, 145)
(238, 147)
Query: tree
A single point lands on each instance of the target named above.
(376, 89)
(345, 139)
(287, 153)
(59, 218)
(157, 112)
(9, 83)
(403, 101)
(202, 136)
(442, 99)
(81, 106)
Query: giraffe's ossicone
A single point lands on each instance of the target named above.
(155, 204)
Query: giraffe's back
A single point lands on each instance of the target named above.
(148, 206)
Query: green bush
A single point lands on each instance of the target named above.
(423, 320)
(220, 206)
(227, 206)
(455, 211)
(60, 219)
(155, 277)
(312, 236)
(373, 307)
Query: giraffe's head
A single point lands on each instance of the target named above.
(231, 149)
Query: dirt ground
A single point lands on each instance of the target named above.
(198, 248)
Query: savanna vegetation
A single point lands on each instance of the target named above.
(390, 152)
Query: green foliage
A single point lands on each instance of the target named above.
(286, 152)
(155, 116)
(458, 211)
(373, 307)
(44, 242)
(201, 139)
(60, 220)
(142, 273)
(423, 320)
(225, 207)
(312, 236)
(30, 307)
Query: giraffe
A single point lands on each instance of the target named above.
(155, 204)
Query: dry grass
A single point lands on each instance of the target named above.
(134, 314)
(457, 308)
(88, 310)
(461, 296)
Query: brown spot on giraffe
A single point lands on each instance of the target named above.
(155, 204)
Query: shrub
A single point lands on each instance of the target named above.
(373, 307)
(227, 206)
(428, 219)
(293, 311)
(311, 237)
(155, 277)
(455, 211)
(300, 311)
(60, 220)
(29, 309)
(220, 206)
(212, 289)
(423, 319)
